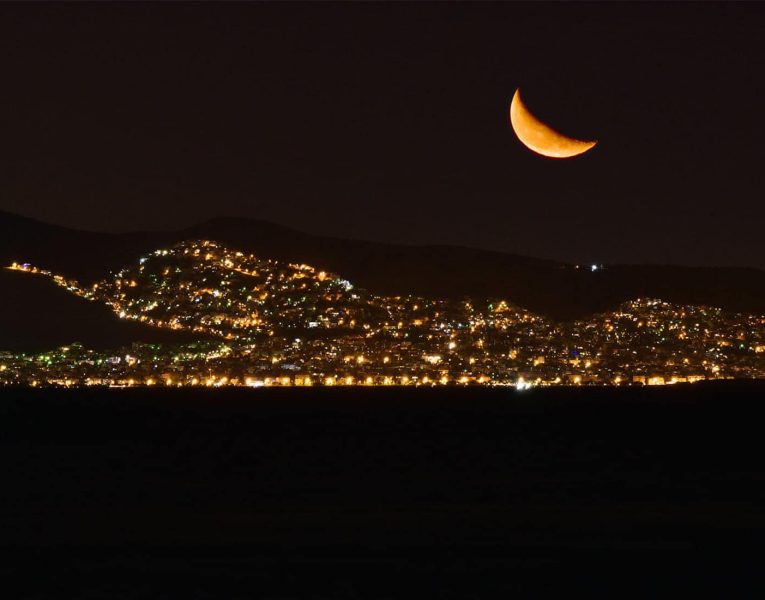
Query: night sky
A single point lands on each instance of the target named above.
(389, 122)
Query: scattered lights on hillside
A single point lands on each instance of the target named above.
(267, 323)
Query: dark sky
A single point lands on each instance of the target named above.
(389, 122)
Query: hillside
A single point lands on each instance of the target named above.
(291, 323)
(554, 289)
(37, 315)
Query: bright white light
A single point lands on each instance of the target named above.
(594, 268)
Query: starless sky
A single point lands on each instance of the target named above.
(390, 122)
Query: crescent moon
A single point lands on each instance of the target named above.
(540, 138)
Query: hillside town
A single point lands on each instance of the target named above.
(268, 323)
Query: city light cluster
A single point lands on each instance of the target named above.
(264, 323)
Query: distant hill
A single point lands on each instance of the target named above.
(85, 255)
(37, 315)
(555, 289)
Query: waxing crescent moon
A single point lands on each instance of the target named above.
(540, 138)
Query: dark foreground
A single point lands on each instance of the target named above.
(380, 493)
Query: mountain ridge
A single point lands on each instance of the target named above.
(559, 290)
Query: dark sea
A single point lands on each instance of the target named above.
(383, 492)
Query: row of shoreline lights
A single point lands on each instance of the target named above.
(520, 384)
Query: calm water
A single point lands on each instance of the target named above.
(364, 493)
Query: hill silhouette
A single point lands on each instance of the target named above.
(555, 289)
(37, 315)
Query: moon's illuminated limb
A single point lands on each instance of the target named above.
(540, 138)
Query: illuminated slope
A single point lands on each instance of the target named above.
(35, 314)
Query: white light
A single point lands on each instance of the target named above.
(594, 268)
